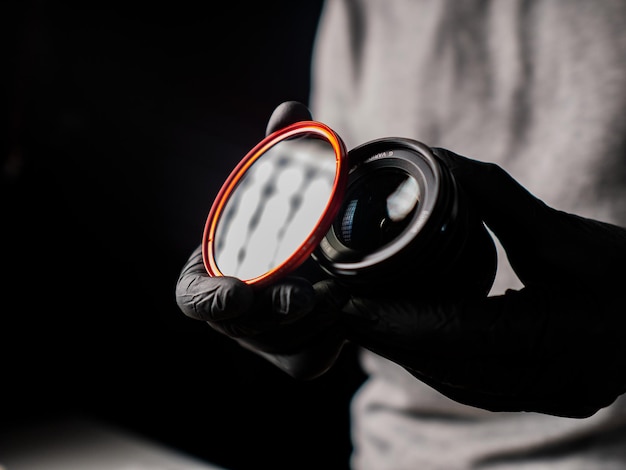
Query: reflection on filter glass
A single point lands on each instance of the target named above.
(275, 207)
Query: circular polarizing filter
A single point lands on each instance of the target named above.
(276, 205)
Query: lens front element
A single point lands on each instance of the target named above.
(378, 207)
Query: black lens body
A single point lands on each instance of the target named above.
(405, 226)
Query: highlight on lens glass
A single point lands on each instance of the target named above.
(276, 205)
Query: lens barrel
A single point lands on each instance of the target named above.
(405, 225)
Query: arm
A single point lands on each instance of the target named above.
(555, 346)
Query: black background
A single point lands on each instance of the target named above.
(122, 121)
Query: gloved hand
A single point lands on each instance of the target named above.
(557, 346)
(285, 323)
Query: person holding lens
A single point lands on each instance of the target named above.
(524, 102)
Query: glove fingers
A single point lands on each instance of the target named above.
(440, 329)
(207, 298)
(287, 113)
(508, 208)
(292, 297)
(523, 351)
(566, 246)
(312, 311)
(517, 324)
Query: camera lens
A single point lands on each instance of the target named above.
(377, 208)
(405, 225)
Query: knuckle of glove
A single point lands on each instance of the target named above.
(291, 299)
(211, 298)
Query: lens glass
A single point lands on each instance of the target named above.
(275, 206)
(378, 207)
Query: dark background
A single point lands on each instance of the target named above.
(122, 121)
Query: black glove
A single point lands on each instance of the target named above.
(286, 323)
(557, 346)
